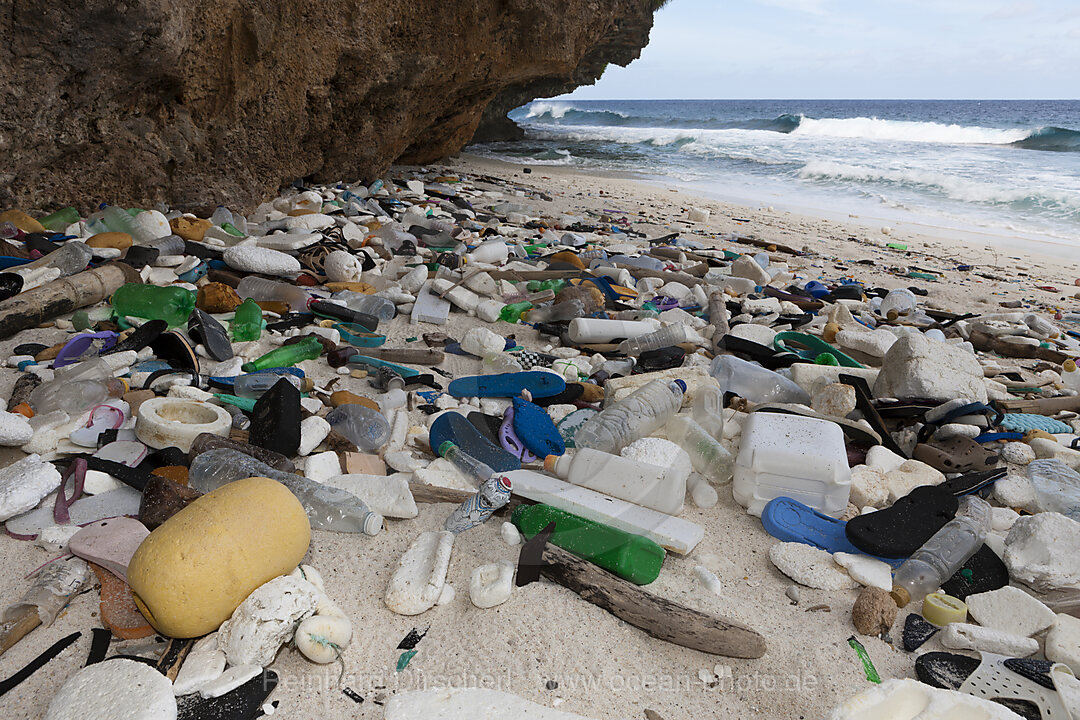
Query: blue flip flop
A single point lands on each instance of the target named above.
(535, 429)
(538, 382)
(456, 428)
(791, 521)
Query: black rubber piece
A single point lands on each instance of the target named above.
(132, 477)
(143, 335)
(865, 405)
(243, 703)
(275, 419)
(917, 630)
(984, 571)
(8, 684)
(486, 425)
(768, 357)
(973, 481)
(173, 348)
(572, 392)
(900, 530)
(99, 646)
(661, 359)
(10, 285)
(29, 349)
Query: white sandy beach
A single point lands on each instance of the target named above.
(603, 668)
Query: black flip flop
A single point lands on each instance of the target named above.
(211, 334)
(767, 356)
(1023, 685)
(243, 703)
(900, 530)
(141, 337)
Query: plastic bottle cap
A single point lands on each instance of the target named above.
(373, 524)
(1069, 366)
(444, 447)
(549, 463)
(681, 384)
(941, 609)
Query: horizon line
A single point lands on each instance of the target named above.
(821, 99)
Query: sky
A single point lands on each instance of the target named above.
(858, 49)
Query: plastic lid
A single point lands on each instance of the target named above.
(1069, 365)
(373, 524)
(444, 447)
(941, 609)
(900, 596)
(549, 463)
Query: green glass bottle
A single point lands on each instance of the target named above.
(59, 220)
(512, 313)
(170, 303)
(632, 557)
(247, 323)
(286, 356)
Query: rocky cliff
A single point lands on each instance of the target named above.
(203, 102)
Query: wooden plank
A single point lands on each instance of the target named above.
(661, 618)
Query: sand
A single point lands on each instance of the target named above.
(546, 644)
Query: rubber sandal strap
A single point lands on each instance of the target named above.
(994, 680)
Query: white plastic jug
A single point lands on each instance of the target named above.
(792, 456)
(651, 486)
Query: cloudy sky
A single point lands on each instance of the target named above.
(855, 49)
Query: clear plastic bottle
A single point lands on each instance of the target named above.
(253, 385)
(69, 259)
(709, 410)
(556, 312)
(662, 338)
(258, 288)
(900, 300)
(639, 414)
(328, 508)
(754, 382)
(75, 397)
(375, 305)
(943, 554)
(495, 363)
(708, 456)
(466, 463)
(168, 245)
(365, 427)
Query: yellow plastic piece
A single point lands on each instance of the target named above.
(192, 572)
(941, 609)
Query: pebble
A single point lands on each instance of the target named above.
(264, 261)
(313, 430)
(1043, 551)
(793, 593)
(1017, 453)
(492, 584)
(836, 399)
(510, 534)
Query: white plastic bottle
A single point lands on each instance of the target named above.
(709, 410)
(1070, 376)
(258, 288)
(492, 251)
(639, 414)
(708, 456)
(662, 489)
(599, 330)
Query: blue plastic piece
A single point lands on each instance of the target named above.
(375, 362)
(25, 364)
(6, 261)
(456, 428)
(1023, 422)
(197, 272)
(358, 336)
(538, 382)
(791, 521)
(537, 432)
(228, 381)
(991, 437)
(816, 289)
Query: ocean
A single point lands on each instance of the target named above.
(1008, 168)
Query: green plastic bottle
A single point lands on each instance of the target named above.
(632, 557)
(170, 303)
(59, 220)
(512, 313)
(286, 355)
(247, 323)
